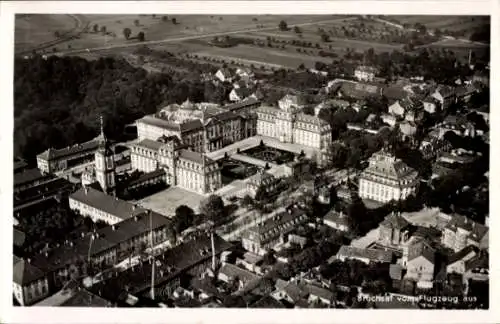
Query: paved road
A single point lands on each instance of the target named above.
(185, 38)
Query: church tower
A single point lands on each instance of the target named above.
(105, 164)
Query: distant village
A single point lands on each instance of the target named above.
(258, 205)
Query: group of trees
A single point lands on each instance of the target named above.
(127, 32)
(52, 112)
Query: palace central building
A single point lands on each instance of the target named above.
(290, 125)
(387, 178)
(204, 127)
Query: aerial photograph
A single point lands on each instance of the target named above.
(251, 161)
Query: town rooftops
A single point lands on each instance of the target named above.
(358, 90)
(478, 231)
(171, 125)
(25, 273)
(445, 91)
(74, 297)
(101, 241)
(384, 164)
(29, 176)
(291, 289)
(313, 120)
(106, 203)
(316, 291)
(370, 254)
(195, 157)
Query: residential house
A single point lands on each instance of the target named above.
(232, 274)
(445, 95)
(74, 295)
(250, 261)
(259, 239)
(461, 232)
(388, 119)
(456, 262)
(318, 295)
(336, 220)
(367, 255)
(465, 92)
(358, 90)
(245, 74)
(30, 284)
(224, 75)
(477, 268)
(408, 128)
(239, 94)
(288, 291)
(365, 73)
(394, 230)
(419, 260)
(264, 181)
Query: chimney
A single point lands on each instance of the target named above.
(29, 260)
(113, 227)
(82, 234)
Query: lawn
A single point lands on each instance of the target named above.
(270, 154)
(166, 201)
(235, 170)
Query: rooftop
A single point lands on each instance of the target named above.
(19, 237)
(53, 154)
(370, 254)
(277, 221)
(106, 203)
(242, 104)
(28, 176)
(25, 272)
(233, 271)
(463, 253)
(150, 144)
(336, 217)
(420, 247)
(395, 220)
(478, 231)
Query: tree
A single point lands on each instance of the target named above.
(247, 201)
(136, 22)
(57, 34)
(283, 25)
(297, 30)
(141, 36)
(325, 38)
(127, 32)
(96, 28)
(164, 18)
(213, 210)
(174, 21)
(103, 29)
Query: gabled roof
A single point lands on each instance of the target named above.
(463, 253)
(52, 154)
(338, 218)
(19, 237)
(292, 290)
(318, 291)
(109, 204)
(478, 231)
(195, 157)
(30, 175)
(25, 273)
(149, 144)
(421, 248)
(481, 260)
(445, 91)
(233, 271)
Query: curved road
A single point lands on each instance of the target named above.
(184, 38)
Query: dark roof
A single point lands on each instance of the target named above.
(479, 261)
(19, 237)
(109, 204)
(242, 104)
(462, 253)
(84, 298)
(370, 254)
(318, 291)
(19, 165)
(421, 248)
(394, 93)
(147, 176)
(233, 271)
(395, 271)
(267, 302)
(243, 92)
(360, 90)
(277, 220)
(478, 231)
(395, 220)
(291, 289)
(104, 239)
(194, 156)
(150, 144)
(445, 91)
(336, 217)
(28, 176)
(25, 272)
(53, 154)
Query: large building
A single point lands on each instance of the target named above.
(266, 235)
(184, 168)
(203, 127)
(461, 232)
(365, 73)
(387, 178)
(290, 125)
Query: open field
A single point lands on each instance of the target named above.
(154, 28)
(32, 30)
(451, 23)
